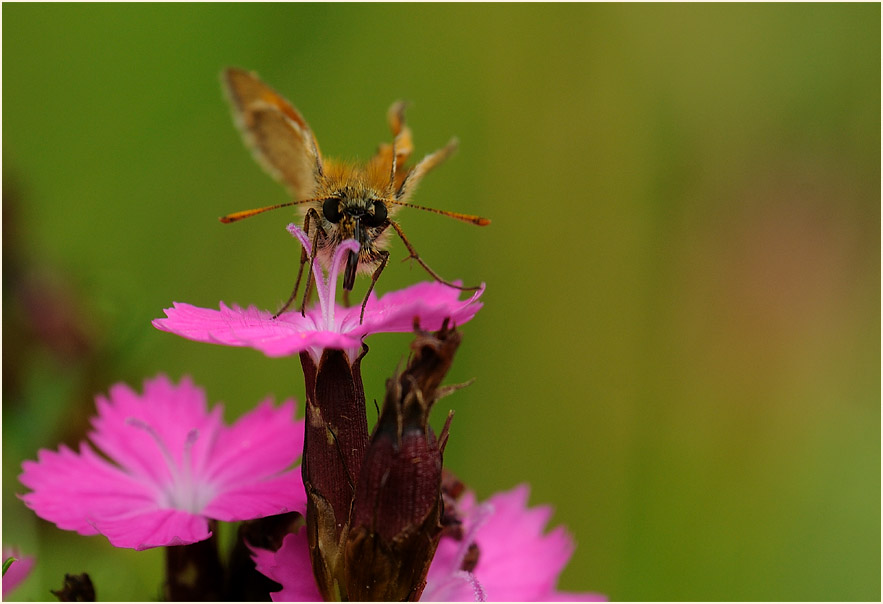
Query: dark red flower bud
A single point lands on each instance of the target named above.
(396, 518)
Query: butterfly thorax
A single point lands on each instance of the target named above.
(352, 206)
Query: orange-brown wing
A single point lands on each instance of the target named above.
(402, 143)
(416, 174)
(277, 133)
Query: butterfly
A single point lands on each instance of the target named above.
(339, 200)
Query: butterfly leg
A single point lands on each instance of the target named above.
(320, 232)
(415, 256)
(376, 275)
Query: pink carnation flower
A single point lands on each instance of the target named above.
(326, 325)
(16, 573)
(517, 561)
(174, 465)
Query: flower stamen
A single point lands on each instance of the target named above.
(326, 289)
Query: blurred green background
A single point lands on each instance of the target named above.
(680, 345)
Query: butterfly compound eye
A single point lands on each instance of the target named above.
(331, 210)
(379, 215)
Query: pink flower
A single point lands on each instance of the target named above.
(16, 573)
(516, 562)
(174, 465)
(326, 325)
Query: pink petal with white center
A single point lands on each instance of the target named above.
(178, 466)
(288, 334)
(86, 494)
(291, 568)
(141, 431)
(291, 333)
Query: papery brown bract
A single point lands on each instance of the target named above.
(396, 519)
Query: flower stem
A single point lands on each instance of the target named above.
(194, 572)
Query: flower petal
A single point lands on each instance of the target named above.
(252, 466)
(288, 334)
(458, 586)
(430, 303)
(73, 490)
(261, 443)
(291, 568)
(445, 582)
(260, 498)
(86, 494)
(180, 466)
(517, 562)
(144, 530)
(141, 432)
(16, 573)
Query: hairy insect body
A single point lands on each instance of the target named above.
(352, 207)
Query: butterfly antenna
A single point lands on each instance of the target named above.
(470, 218)
(235, 216)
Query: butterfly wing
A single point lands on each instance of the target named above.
(413, 177)
(279, 137)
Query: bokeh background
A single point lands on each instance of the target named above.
(680, 346)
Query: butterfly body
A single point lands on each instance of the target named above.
(352, 207)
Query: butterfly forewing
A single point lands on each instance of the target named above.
(278, 135)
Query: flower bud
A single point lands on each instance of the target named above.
(396, 518)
